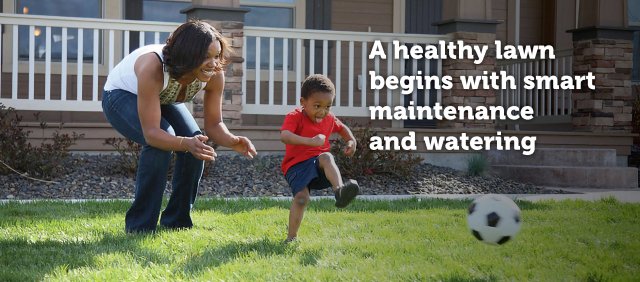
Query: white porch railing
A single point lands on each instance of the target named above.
(544, 102)
(110, 43)
(343, 56)
(40, 82)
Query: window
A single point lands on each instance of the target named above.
(163, 11)
(65, 8)
(274, 13)
(633, 11)
(154, 10)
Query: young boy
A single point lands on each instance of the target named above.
(307, 163)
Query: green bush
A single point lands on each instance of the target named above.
(366, 161)
(129, 154)
(634, 157)
(635, 116)
(477, 165)
(44, 161)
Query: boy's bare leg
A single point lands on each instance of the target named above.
(331, 171)
(344, 192)
(296, 213)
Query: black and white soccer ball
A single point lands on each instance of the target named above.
(494, 219)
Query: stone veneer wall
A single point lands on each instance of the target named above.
(609, 107)
(456, 68)
(233, 31)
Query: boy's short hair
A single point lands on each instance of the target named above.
(317, 83)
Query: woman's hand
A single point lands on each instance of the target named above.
(199, 149)
(351, 148)
(244, 147)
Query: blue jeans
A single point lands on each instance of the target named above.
(121, 109)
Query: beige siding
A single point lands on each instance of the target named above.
(94, 134)
(500, 12)
(565, 20)
(360, 15)
(531, 22)
(363, 16)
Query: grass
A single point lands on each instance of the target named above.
(369, 241)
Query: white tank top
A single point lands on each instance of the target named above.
(123, 77)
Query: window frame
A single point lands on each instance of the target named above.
(134, 10)
(298, 23)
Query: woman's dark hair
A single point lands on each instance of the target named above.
(316, 83)
(188, 45)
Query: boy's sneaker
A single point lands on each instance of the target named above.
(346, 193)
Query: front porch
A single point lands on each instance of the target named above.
(41, 64)
(264, 78)
(44, 77)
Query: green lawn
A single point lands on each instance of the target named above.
(371, 240)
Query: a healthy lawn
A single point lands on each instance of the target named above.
(369, 241)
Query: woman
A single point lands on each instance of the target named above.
(143, 100)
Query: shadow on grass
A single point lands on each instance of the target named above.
(327, 205)
(309, 257)
(46, 211)
(26, 260)
(223, 254)
(57, 210)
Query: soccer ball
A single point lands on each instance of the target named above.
(494, 219)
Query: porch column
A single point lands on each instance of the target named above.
(602, 44)
(228, 18)
(471, 22)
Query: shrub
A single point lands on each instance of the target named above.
(366, 161)
(129, 154)
(634, 157)
(44, 161)
(477, 165)
(635, 117)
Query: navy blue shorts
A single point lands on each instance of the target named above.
(306, 174)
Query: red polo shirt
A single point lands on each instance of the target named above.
(300, 124)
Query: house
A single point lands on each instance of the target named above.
(45, 45)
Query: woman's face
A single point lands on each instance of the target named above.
(207, 69)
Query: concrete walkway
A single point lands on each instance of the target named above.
(625, 196)
(587, 194)
(622, 195)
